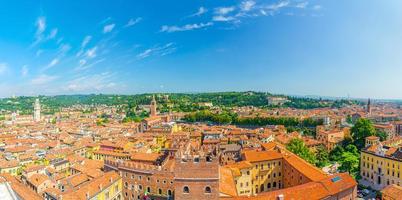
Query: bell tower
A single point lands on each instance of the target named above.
(153, 106)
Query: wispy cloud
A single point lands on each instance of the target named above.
(277, 6)
(224, 10)
(86, 40)
(43, 79)
(40, 29)
(317, 7)
(108, 28)
(221, 18)
(201, 11)
(83, 64)
(53, 34)
(157, 51)
(91, 53)
(247, 5)
(222, 14)
(187, 27)
(52, 63)
(133, 22)
(301, 4)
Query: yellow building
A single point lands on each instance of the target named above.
(380, 165)
(241, 172)
(266, 171)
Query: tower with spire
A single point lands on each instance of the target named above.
(368, 106)
(153, 106)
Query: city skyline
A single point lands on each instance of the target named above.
(323, 48)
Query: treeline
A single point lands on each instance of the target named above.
(181, 102)
(232, 118)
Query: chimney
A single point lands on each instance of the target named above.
(281, 197)
(111, 180)
(100, 187)
(87, 195)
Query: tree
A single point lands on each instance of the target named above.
(336, 154)
(298, 147)
(322, 156)
(349, 163)
(382, 135)
(362, 129)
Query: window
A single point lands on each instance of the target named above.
(274, 184)
(160, 191)
(207, 189)
(169, 192)
(186, 190)
(269, 185)
(140, 187)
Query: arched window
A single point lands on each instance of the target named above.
(169, 192)
(274, 184)
(269, 185)
(186, 189)
(262, 188)
(148, 189)
(207, 189)
(160, 191)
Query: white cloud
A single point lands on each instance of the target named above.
(86, 40)
(133, 22)
(43, 79)
(186, 27)
(24, 71)
(3, 68)
(224, 10)
(108, 28)
(221, 18)
(157, 51)
(91, 53)
(301, 4)
(247, 5)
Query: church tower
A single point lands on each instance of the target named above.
(153, 106)
(37, 110)
(369, 106)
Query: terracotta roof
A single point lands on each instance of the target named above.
(259, 156)
(393, 191)
(308, 170)
(23, 192)
(37, 179)
(322, 189)
(148, 157)
(92, 187)
(227, 185)
(240, 165)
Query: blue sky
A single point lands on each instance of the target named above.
(308, 47)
